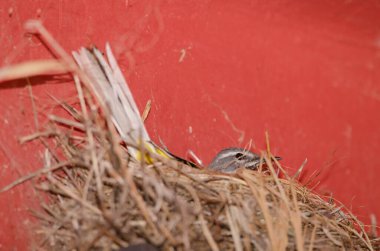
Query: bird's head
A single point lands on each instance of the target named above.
(230, 159)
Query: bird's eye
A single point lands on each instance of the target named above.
(239, 155)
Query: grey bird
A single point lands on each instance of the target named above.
(230, 159)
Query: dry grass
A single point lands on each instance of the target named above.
(100, 199)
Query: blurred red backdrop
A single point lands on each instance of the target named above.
(219, 73)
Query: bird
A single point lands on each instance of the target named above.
(109, 84)
(230, 159)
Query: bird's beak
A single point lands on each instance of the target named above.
(264, 162)
(276, 157)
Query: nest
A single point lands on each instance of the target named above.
(101, 199)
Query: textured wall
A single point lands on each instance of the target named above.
(219, 73)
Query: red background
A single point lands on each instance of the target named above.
(219, 73)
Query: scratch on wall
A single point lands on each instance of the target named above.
(228, 120)
(182, 55)
(133, 41)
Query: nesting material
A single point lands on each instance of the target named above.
(99, 199)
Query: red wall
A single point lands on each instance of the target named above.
(219, 73)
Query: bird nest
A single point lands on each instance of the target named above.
(101, 199)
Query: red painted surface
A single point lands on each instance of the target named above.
(218, 74)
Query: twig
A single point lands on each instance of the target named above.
(145, 114)
(39, 172)
(206, 231)
(67, 122)
(36, 135)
